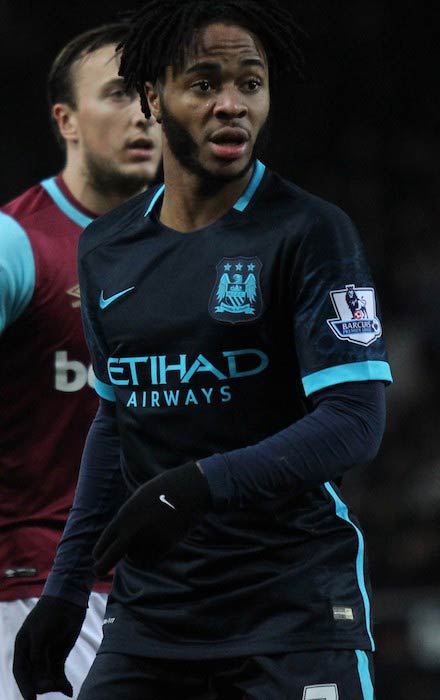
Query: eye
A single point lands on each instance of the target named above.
(202, 85)
(118, 93)
(252, 84)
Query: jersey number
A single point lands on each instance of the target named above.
(320, 692)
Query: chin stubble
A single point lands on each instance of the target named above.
(106, 179)
(185, 150)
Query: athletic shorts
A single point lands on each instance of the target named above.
(316, 675)
(13, 614)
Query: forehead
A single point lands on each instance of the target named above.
(94, 69)
(225, 41)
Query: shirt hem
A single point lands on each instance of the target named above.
(220, 650)
(35, 590)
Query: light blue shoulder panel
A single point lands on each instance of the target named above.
(17, 270)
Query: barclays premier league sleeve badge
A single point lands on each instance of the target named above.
(356, 319)
(236, 295)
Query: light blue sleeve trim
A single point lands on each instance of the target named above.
(105, 391)
(246, 197)
(63, 203)
(154, 200)
(342, 512)
(17, 270)
(350, 372)
(364, 675)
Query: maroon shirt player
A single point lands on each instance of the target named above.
(46, 383)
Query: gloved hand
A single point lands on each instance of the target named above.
(155, 518)
(42, 646)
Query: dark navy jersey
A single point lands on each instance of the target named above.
(210, 341)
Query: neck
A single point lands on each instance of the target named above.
(189, 204)
(88, 194)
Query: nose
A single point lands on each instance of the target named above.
(230, 104)
(138, 118)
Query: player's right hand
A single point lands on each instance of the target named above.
(43, 644)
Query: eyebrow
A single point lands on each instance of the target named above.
(208, 66)
(114, 81)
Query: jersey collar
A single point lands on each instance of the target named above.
(60, 199)
(241, 203)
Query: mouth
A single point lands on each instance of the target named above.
(141, 148)
(229, 143)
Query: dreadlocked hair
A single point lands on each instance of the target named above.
(163, 31)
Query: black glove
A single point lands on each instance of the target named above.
(42, 646)
(155, 518)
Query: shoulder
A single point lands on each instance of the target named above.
(28, 205)
(14, 239)
(117, 223)
(306, 218)
(17, 269)
(37, 216)
(316, 210)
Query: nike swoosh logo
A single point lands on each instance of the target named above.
(103, 303)
(164, 500)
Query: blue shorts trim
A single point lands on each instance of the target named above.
(364, 675)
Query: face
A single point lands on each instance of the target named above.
(213, 110)
(120, 149)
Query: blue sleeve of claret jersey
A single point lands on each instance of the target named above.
(343, 429)
(99, 494)
(17, 270)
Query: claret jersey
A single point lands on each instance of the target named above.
(46, 381)
(210, 341)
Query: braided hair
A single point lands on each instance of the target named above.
(163, 31)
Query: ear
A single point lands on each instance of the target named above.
(152, 93)
(65, 117)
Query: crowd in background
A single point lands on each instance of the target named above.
(362, 131)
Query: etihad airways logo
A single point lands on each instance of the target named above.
(163, 380)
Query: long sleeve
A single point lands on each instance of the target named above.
(17, 270)
(343, 429)
(99, 494)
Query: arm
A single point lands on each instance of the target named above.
(99, 493)
(51, 629)
(345, 428)
(17, 271)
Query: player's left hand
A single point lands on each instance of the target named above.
(155, 518)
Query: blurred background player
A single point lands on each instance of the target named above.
(46, 382)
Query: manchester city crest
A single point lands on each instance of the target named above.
(356, 319)
(236, 295)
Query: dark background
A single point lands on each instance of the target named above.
(362, 130)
